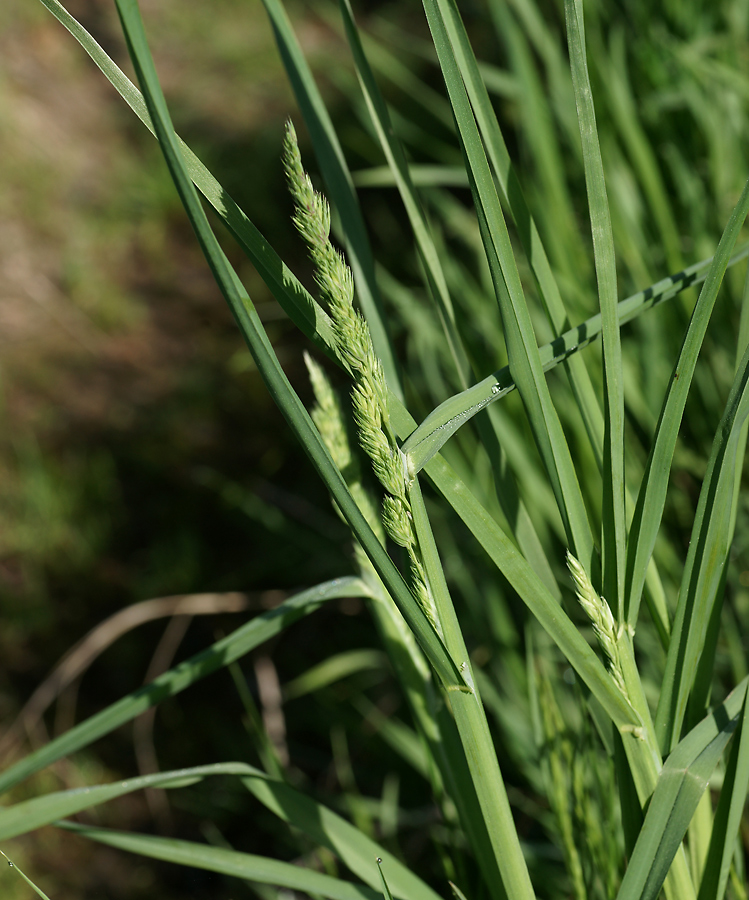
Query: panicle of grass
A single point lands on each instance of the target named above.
(354, 346)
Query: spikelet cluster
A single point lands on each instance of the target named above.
(354, 347)
(599, 613)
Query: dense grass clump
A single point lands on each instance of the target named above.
(543, 525)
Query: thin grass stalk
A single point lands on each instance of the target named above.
(473, 727)
(507, 491)
(339, 184)
(613, 519)
(708, 554)
(519, 336)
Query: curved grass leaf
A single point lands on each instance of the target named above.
(519, 336)
(22, 818)
(651, 499)
(220, 654)
(680, 786)
(226, 862)
(728, 815)
(709, 547)
(327, 829)
(335, 668)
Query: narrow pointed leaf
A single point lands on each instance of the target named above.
(652, 495)
(709, 547)
(222, 653)
(680, 786)
(613, 521)
(327, 829)
(728, 815)
(22, 818)
(227, 862)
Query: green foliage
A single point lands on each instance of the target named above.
(553, 769)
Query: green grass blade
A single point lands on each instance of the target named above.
(524, 580)
(728, 815)
(436, 282)
(292, 296)
(176, 680)
(623, 106)
(22, 818)
(226, 862)
(334, 668)
(326, 828)
(710, 543)
(559, 223)
(613, 518)
(473, 729)
(513, 198)
(651, 499)
(265, 358)
(340, 188)
(680, 786)
(444, 421)
(519, 336)
(387, 895)
(699, 698)
(37, 890)
(398, 164)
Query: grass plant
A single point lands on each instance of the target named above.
(575, 741)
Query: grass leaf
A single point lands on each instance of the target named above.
(226, 862)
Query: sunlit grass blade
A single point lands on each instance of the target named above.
(473, 728)
(519, 335)
(512, 195)
(652, 495)
(728, 815)
(398, 164)
(327, 829)
(29, 815)
(334, 668)
(526, 582)
(340, 188)
(508, 494)
(680, 786)
(709, 547)
(265, 358)
(699, 697)
(613, 520)
(385, 888)
(176, 680)
(226, 862)
(443, 422)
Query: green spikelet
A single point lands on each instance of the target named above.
(354, 347)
